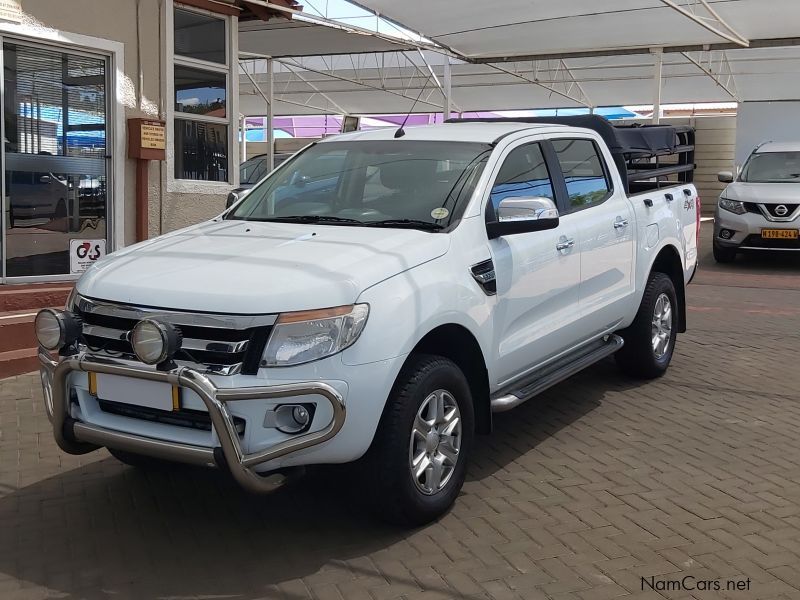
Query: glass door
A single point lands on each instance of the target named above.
(55, 152)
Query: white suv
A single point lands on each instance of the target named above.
(760, 209)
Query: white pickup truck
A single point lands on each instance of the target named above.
(383, 307)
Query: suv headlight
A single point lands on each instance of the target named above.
(301, 337)
(733, 206)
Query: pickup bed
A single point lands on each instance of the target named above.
(378, 297)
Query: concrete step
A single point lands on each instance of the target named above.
(17, 362)
(33, 296)
(16, 330)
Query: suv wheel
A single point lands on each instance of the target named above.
(419, 456)
(650, 340)
(723, 254)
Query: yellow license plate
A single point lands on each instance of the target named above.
(779, 234)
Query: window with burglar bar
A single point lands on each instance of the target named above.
(201, 77)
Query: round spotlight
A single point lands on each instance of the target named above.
(154, 342)
(56, 328)
(726, 234)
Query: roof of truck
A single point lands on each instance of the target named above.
(455, 132)
(778, 147)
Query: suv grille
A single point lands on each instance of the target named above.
(790, 210)
(212, 343)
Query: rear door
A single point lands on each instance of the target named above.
(603, 216)
(537, 283)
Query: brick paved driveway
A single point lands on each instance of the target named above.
(580, 494)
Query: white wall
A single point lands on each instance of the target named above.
(759, 122)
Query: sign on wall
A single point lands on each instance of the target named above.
(84, 253)
(10, 10)
(147, 139)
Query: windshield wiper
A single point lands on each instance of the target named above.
(410, 223)
(313, 219)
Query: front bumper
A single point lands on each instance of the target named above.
(76, 437)
(747, 228)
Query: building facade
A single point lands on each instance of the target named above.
(74, 73)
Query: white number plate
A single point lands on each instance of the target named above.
(139, 392)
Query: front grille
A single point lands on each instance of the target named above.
(192, 419)
(212, 343)
(752, 207)
(790, 210)
(756, 241)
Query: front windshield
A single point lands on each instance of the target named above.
(375, 182)
(772, 167)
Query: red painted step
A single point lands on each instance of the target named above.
(17, 362)
(18, 307)
(16, 330)
(33, 296)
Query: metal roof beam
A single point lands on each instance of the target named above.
(566, 93)
(353, 81)
(728, 84)
(760, 43)
(712, 22)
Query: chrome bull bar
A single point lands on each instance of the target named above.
(75, 437)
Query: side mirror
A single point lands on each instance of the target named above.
(235, 196)
(523, 214)
(725, 177)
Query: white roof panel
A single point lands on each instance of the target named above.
(513, 28)
(281, 38)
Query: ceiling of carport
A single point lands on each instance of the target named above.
(526, 28)
(746, 74)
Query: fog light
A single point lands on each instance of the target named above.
(154, 342)
(290, 418)
(56, 328)
(726, 234)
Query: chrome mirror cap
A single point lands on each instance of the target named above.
(725, 177)
(526, 208)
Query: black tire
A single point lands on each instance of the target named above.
(638, 357)
(723, 254)
(395, 495)
(138, 460)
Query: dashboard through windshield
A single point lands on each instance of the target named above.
(392, 183)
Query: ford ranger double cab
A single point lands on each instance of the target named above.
(383, 311)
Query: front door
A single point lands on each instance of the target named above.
(537, 274)
(55, 156)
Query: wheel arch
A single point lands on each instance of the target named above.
(668, 262)
(458, 344)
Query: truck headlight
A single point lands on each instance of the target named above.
(733, 206)
(56, 328)
(300, 337)
(154, 342)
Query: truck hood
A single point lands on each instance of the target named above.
(240, 267)
(763, 193)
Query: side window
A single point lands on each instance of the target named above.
(523, 173)
(584, 174)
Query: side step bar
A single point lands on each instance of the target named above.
(550, 375)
